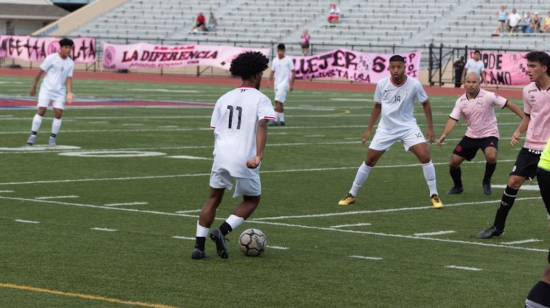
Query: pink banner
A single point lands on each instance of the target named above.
(35, 49)
(503, 68)
(145, 55)
(352, 65)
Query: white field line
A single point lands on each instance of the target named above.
(27, 221)
(365, 257)
(127, 203)
(208, 174)
(189, 157)
(6, 191)
(475, 269)
(523, 187)
(351, 225)
(188, 211)
(104, 229)
(179, 237)
(381, 211)
(135, 124)
(401, 236)
(278, 247)
(532, 240)
(436, 233)
(56, 197)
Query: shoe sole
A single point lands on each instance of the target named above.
(344, 204)
(221, 248)
(486, 238)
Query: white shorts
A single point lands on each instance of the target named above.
(280, 94)
(243, 186)
(44, 99)
(382, 141)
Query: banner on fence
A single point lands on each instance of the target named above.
(146, 56)
(352, 65)
(36, 49)
(504, 68)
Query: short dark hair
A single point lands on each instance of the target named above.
(397, 58)
(541, 57)
(248, 64)
(281, 47)
(477, 51)
(66, 42)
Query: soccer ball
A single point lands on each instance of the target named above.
(252, 242)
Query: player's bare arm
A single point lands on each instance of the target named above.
(464, 72)
(292, 80)
(270, 78)
(39, 74)
(516, 136)
(451, 123)
(261, 138)
(428, 112)
(515, 109)
(69, 86)
(374, 114)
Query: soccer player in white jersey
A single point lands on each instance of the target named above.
(477, 108)
(536, 106)
(57, 87)
(283, 69)
(239, 121)
(475, 65)
(394, 98)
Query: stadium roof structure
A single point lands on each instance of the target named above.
(30, 9)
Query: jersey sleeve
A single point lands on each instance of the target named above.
(526, 103)
(468, 64)
(216, 115)
(421, 95)
(499, 101)
(455, 114)
(70, 75)
(290, 65)
(46, 64)
(265, 109)
(273, 65)
(377, 94)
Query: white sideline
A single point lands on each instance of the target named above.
(484, 244)
(27, 221)
(208, 174)
(464, 268)
(532, 240)
(351, 225)
(365, 257)
(435, 233)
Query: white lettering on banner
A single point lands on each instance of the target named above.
(36, 49)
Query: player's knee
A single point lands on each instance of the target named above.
(453, 165)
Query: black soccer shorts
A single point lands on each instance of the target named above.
(467, 147)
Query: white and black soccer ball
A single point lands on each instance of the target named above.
(252, 242)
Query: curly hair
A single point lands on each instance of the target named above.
(248, 64)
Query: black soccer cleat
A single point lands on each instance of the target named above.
(282, 123)
(490, 232)
(198, 254)
(219, 239)
(455, 191)
(487, 189)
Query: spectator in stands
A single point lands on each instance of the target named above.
(526, 22)
(501, 15)
(334, 15)
(212, 22)
(535, 23)
(546, 25)
(474, 65)
(513, 22)
(200, 24)
(304, 42)
(458, 67)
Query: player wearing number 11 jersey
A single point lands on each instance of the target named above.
(239, 121)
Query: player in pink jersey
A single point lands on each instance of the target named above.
(536, 98)
(239, 120)
(477, 108)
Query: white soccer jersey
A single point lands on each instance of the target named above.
(57, 71)
(475, 66)
(235, 121)
(398, 104)
(283, 71)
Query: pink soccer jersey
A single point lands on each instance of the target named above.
(479, 113)
(537, 106)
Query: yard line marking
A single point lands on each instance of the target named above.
(365, 257)
(208, 174)
(436, 233)
(188, 211)
(532, 240)
(485, 244)
(56, 197)
(84, 296)
(464, 268)
(380, 211)
(351, 225)
(189, 157)
(27, 221)
(127, 203)
(278, 247)
(179, 237)
(104, 229)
